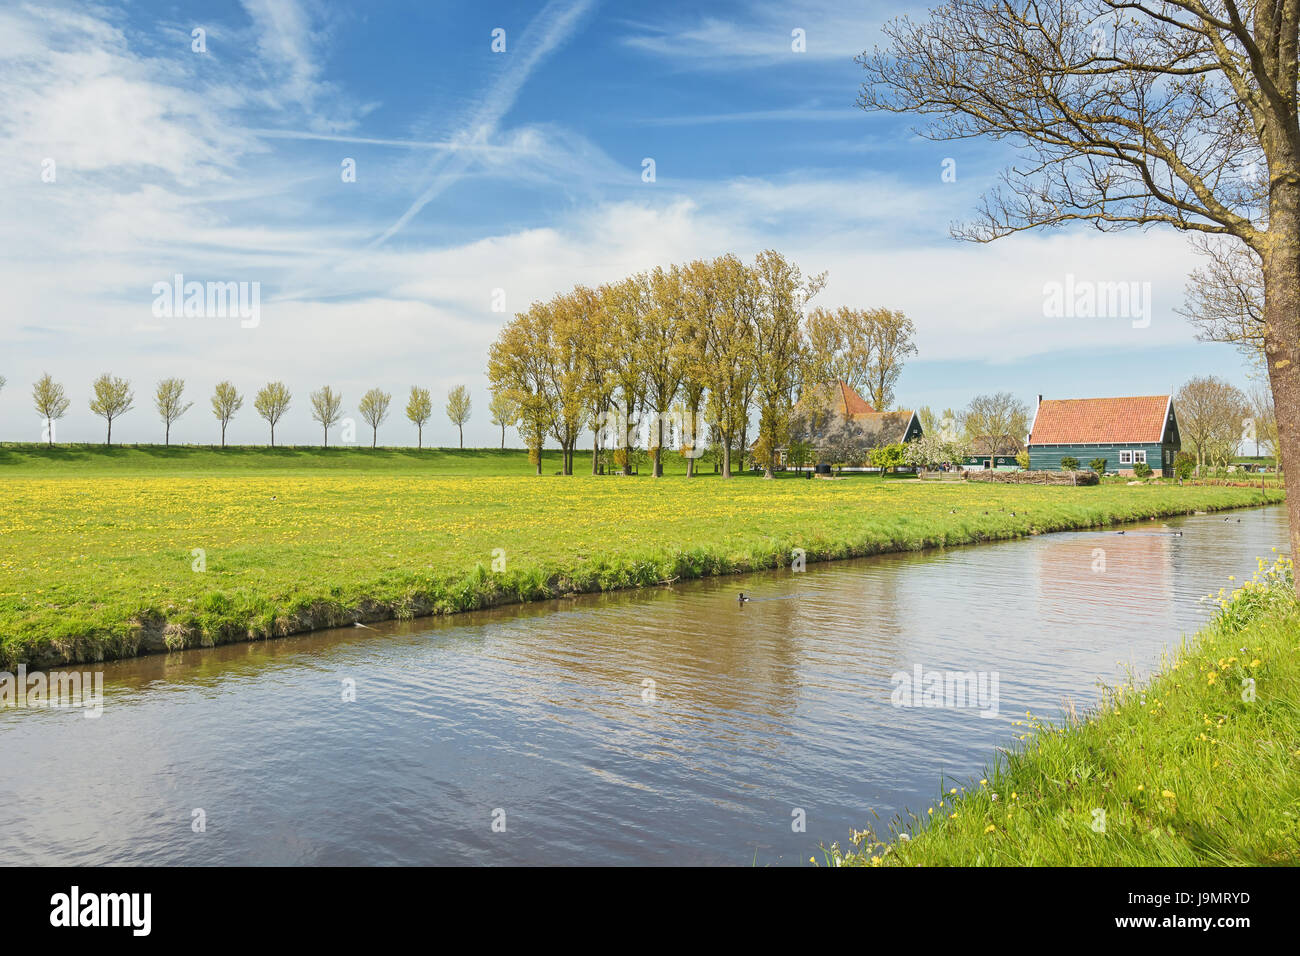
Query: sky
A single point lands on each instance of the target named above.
(394, 180)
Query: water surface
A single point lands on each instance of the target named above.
(543, 713)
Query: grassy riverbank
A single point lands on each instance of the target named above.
(101, 563)
(1199, 766)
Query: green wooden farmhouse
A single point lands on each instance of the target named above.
(1122, 431)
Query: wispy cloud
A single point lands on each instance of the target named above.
(763, 33)
(548, 31)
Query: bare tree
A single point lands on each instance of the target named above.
(458, 409)
(226, 400)
(1128, 113)
(1212, 415)
(374, 409)
(419, 408)
(326, 408)
(271, 402)
(995, 415)
(113, 398)
(170, 402)
(1225, 297)
(1261, 427)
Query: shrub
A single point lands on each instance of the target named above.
(1022, 459)
(1141, 469)
(1098, 465)
(1184, 463)
(1069, 463)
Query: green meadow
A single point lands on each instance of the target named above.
(113, 552)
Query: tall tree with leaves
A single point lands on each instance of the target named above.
(781, 292)
(112, 398)
(700, 303)
(1129, 113)
(458, 409)
(728, 370)
(51, 403)
(597, 360)
(326, 408)
(890, 336)
(840, 347)
(662, 351)
(518, 368)
(568, 374)
(627, 305)
(226, 400)
(272, 401)
(374, 410)
(419, 409)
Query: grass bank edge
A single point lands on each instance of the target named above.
(222, 618)
(1197, 766)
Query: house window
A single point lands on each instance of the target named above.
(1126, 457)
(1139, 457)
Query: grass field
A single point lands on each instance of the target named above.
(1201, 766)
(110, 552)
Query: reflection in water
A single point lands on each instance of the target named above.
(547, 713)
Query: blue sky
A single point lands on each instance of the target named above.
(478, 171)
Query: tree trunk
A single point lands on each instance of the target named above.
(539, 461)
(49, 431)
(503, 437)
(167, 434)
(726, 456)
(273, 434)
(110, 433)
(658, 469)
(1282, 337)
(223, 434)
(595, 450)
(374, 436)
(462, 434)
(419, 436)
(326, 430)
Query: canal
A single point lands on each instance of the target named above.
(675, 726)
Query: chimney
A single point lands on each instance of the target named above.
(1040, 399)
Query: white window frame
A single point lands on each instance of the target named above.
(1139, 456)
(1125, 456)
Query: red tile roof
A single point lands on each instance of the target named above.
(849, 402)
(1089, 421)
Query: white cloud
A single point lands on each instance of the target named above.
(760, 34)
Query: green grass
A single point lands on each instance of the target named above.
(102, 548)
(1190, 769)
(35, 460)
